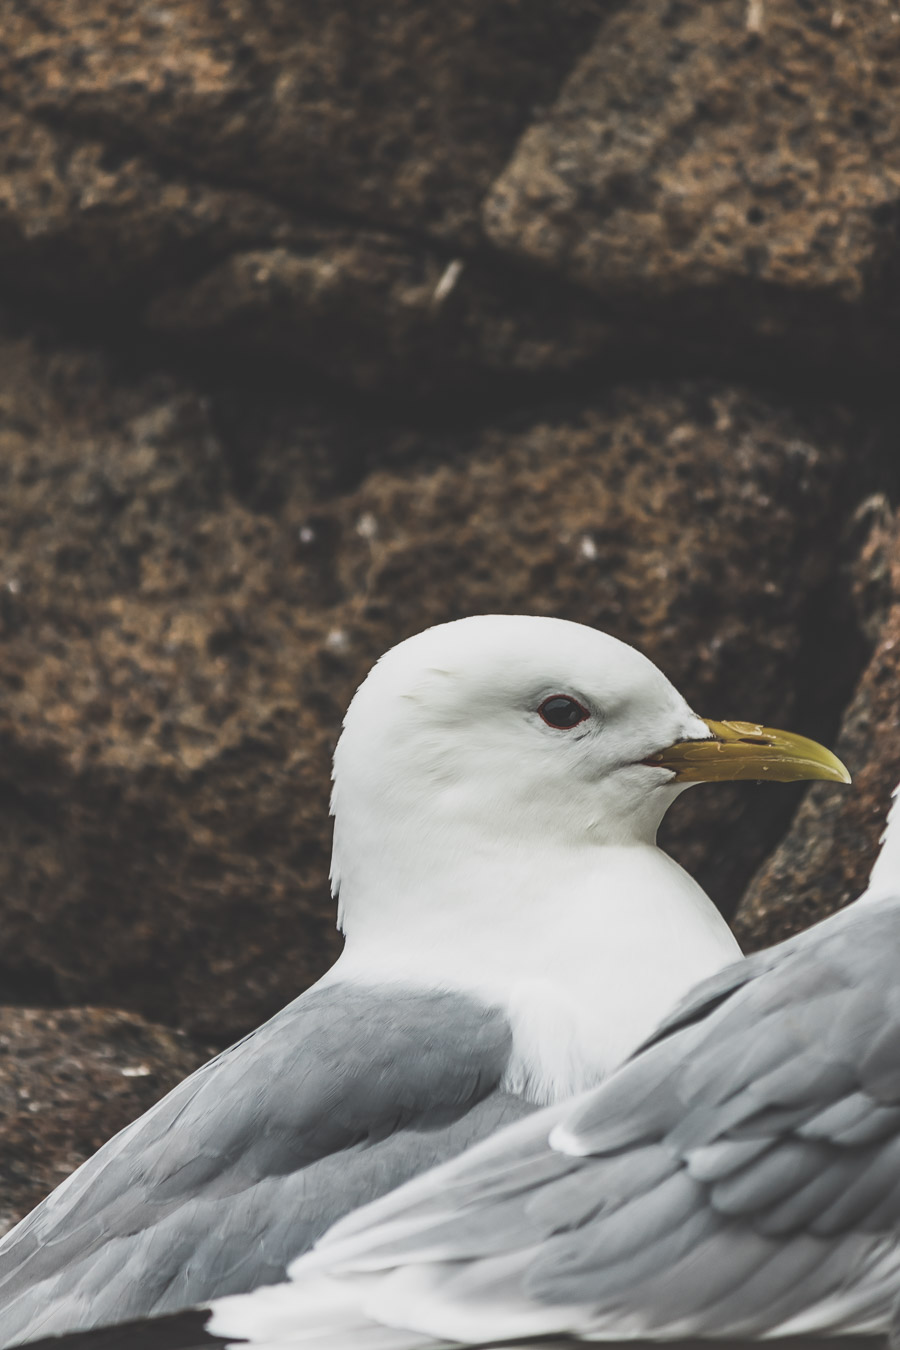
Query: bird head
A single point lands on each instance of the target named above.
(534, 729)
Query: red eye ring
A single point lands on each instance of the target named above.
(562, 712)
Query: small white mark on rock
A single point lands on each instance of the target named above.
(586, 547)
(136, 1071)
(838, 19)
(306, 534)
(337, 640)
(678, 435)
(449, 277)
(367, 526)
(14, 585)
(755, 15)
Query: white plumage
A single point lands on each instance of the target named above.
(739, 1178)
(512, 934)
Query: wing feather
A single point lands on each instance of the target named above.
(239, 1169)
(740, 1176)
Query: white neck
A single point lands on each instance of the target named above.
(585, 949)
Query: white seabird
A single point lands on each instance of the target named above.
(512, 933)
(737, 1179)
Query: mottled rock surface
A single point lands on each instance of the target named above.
(216, 272)
(825, 859)
(367, 193)
(182, 629)
(69, 1080)
(709, 147)
(296, 184)
(398, 112)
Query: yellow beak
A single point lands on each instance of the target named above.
(746, 750)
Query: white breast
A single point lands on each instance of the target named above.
(584, 951)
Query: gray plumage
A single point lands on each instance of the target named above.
(739, 1177)
(342, 1096)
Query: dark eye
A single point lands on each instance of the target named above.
(562, 712)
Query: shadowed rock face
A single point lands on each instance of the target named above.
(287, 183)
(356, 191)
(328, 322)
(221, 272)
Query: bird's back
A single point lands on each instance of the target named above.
(343, 1095)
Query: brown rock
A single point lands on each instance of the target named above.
(824, 861)
(79, 221)
(302, 186)
(122, 204)
(401, 112)
(363, 308)
(374, 312)
(706, 144)
(153, 636)
(225, 273)
(69, 1080)
(190, 592)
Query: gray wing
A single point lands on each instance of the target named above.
(739, 1177)
(706, 996)
(343, 1095)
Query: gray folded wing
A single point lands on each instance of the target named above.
(343, 1095)
(739, 1177)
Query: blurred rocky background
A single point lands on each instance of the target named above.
(323, 321)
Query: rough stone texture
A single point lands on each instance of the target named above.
(373, 312)
(224, 273)
(81, 222)
(183, 623)
(825, 859)
(303, 185)
(136, 190)
(398, 112)
(706, 144)
(69, 1079)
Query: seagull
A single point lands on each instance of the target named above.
(737, 1180)
(512, 934)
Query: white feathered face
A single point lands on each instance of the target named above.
(536, 727)
(530, 724)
